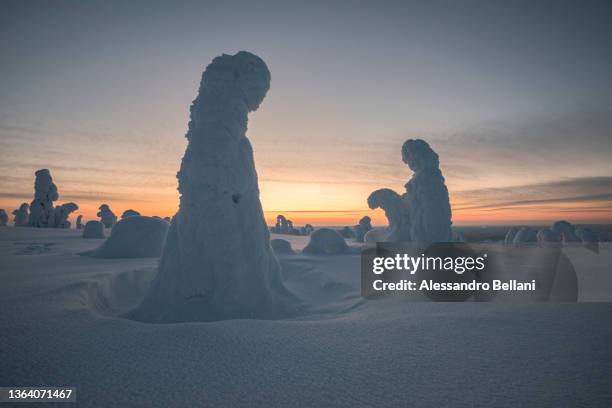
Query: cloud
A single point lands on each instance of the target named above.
(579, 190)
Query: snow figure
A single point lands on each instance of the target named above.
(281, 246)
(79, 222)
(61, 214)
(394, 207)
(428, 205)
(130, 213)
(22, 216)
(589, 239)
(108, 218)
(3, 218)
(217, 262)
(365, 224)
(566, 231)
(547, 237)
(326, 241)
(525, 235)
(509, 239)
(45, 193)
(94, 230)
(134, 237)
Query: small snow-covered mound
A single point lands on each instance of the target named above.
(134, 237)
(281, 246)
(94, 229)
(326, 241)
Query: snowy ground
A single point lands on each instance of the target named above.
(60, 327)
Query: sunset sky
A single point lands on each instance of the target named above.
(516, 98)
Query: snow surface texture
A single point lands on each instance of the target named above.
(61, 214)
(395, 209)
(217, 262)
(61, 325)
(3, 218)
(79, 222)
(107, 216)
(45, 193)
(426, 195)
(94, 229)
(326, 241)
(22, 215)
(130, 213)
(365, 225)
(134, 237)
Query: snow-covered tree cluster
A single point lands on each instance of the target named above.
(217, 262)
(285, 226)
(43, 214)
(22, 215)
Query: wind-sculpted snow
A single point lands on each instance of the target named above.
(94, 229)
(326, 241)
(365, 225)
(61, 214)
(45, 193)
(129, 213)
(3, 218)
(217, 262)
(22, 215)
(426, 194)
(134, 237)
(107, 216)
(395, 211)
